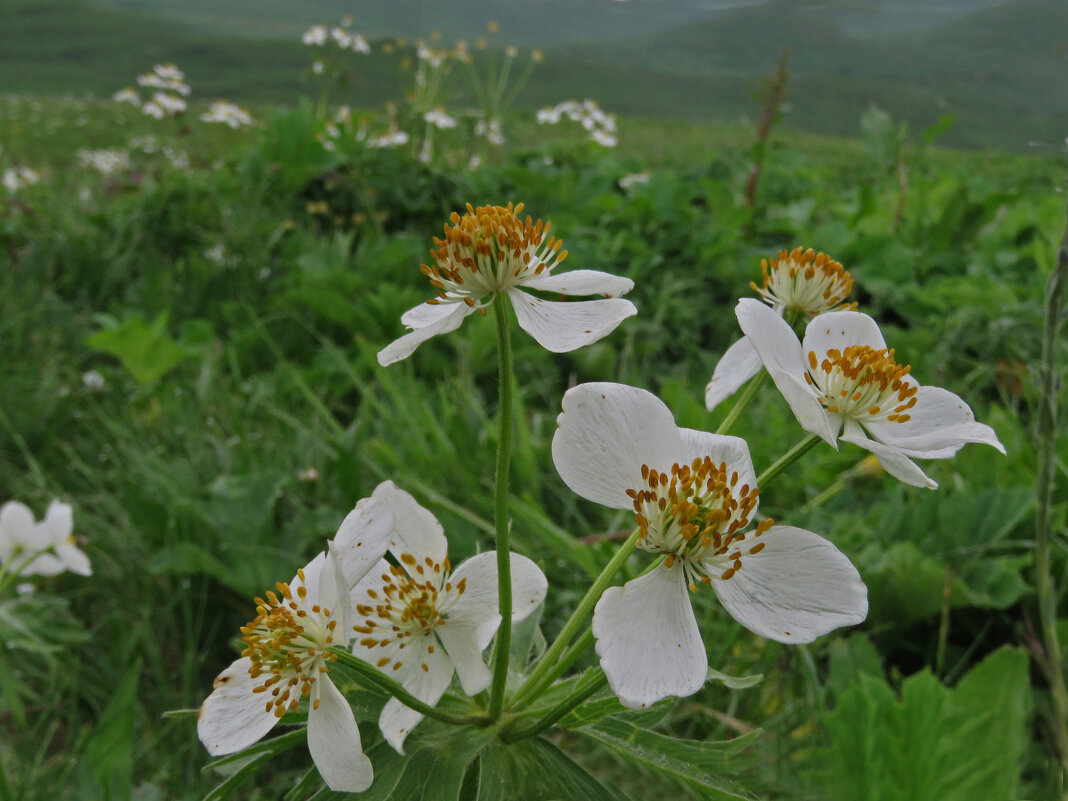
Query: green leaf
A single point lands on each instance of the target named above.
(146, 351)
(934, 743)
(700, 766)
(735, 682)
(109, 749)
(536, 770)
(433, 768)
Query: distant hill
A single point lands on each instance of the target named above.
(999, 67)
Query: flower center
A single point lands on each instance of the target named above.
(288, 641)
(414, 600)
(863, 383)
(805, 281)
(695, 515)
(488, 250)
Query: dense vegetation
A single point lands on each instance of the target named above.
(233, 307)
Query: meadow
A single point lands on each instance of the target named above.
(188, 345)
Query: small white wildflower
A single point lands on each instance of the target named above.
(127, 95)
(106, 162)
(228, 114)
(216, 253)
(439, 119)
(16, 178)
(315, 36)
(93, 381)
(318, 67)
(633, 179)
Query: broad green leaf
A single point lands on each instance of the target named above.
(146, 351)
(433, 767)
(536, 770)
(933, 743)
(707, 768)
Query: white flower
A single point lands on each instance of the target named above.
(93, 381)
(316, 35)
(490, 250)
(16, 178)
(127, 95)
(440, 119)
(491, 130)
(288, 657)
(318, 67)
(693, 494)
(418, 621)
(843, 379)
(633, 179)
(359, 45)
(341, 37)
(391, 138)
(106, 162)
(798, 281)
(40, 549)
(604, 138)
(228, 114)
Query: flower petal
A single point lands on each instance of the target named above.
(893, 460)
(480, 596)
(233, 717)
(363, 538)
(334, 742)
(17, 523)
(647, 639)
(796, 589)
(415, 529)
(44, 564)
(462, 640)
(397, 720)
(738, 364)
(780, 352)
(605, 434)
(720, 448)
(427, 313)
(58, 522)
(402, 348)
(938, 421)
(564, 326)
(74, 559)
(840, 329)
(582, 282)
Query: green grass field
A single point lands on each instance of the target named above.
(232, 303)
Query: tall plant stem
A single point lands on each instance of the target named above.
(755, 383)
(1046, 439)
(500, 507)
(787, 459)
(543, 672)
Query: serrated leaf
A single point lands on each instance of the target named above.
(704, 767)
(934, 743)
(536, 770)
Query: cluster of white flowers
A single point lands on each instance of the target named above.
(340, 36)
(167, 100)
(412, 614)
(228, 114)
(439, 118)
(600, 125)
(384, 589)
(106, 162)
(46, 548)
(16, 178)
(634, 179)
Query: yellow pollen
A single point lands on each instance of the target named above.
(861, 382)
(805, 281)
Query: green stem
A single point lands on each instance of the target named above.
(543, 673)
(500, 508)
(384, 682)
(1046, 439)
(755, 383)
(557, 712)
(787, 459)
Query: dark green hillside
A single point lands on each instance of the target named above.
(1000, 71)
